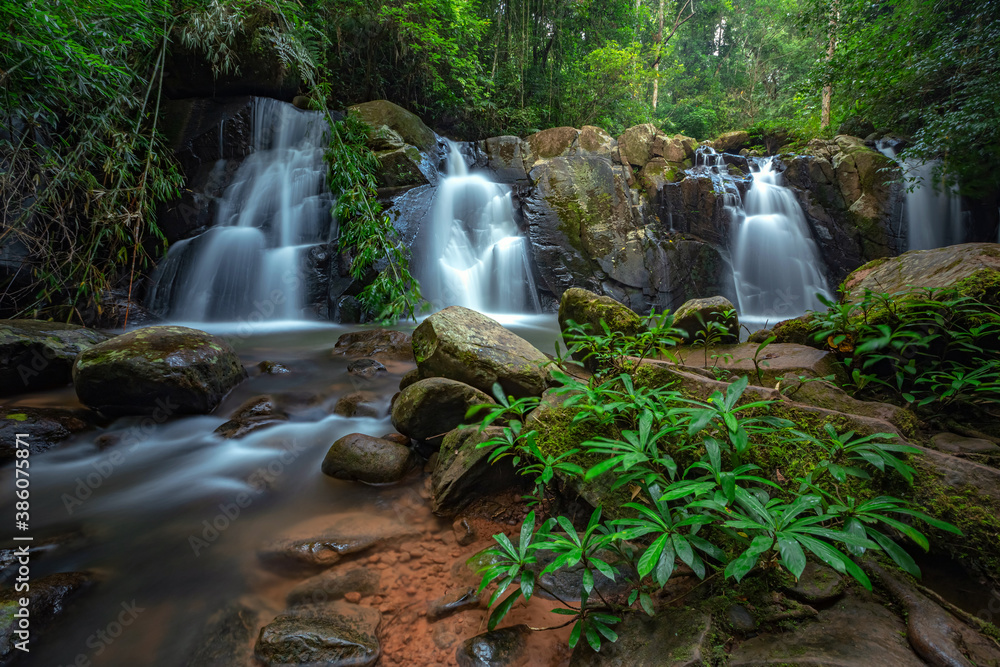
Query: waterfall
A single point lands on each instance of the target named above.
(250, 263)
(776, 264)
(933, 210)
(476, 257)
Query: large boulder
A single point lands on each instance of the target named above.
(636, 144)
(553, 142)
(362, 458)
(37, 355)
(971, 268)
(168, 370)
(505, 157)
(406, 124)
(731, 142)
(44, 428)
(380, 344)
(693, 315)
(338, 634)
(400, 169)
(428, 409)
(463, 345)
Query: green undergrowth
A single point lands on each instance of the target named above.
(716, 479)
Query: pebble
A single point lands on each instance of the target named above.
(403, 557)
(353, 596)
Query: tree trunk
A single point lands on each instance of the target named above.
(656, 67)
(824, 119)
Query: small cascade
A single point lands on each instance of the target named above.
(776, 264)
(477, 257)
(249, 263)
(933, 210)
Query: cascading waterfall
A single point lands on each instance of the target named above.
(277, 207)
(933, 210)
(776, 264)
(476, 257)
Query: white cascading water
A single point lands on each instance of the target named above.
(933, 211)
(249, 263)
(776, 264)
(476, 257)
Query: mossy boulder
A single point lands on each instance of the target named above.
(798, 330)
(49, 597)
(586, 307)
(466, 346)
(406, 124)
(595, 141)
(338, 634)
(464, 474)
(45, 428)
(694, 314)
(380, 344)
(636, 144)
(674, 149)
(362, 458)
(973, 269)
(400, 169)
(731, 142)
(505, 158)
(36, 355)
(553, 142)
(427, 409)
(165, 370)
(678, 637)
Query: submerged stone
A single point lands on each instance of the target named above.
(339, 634)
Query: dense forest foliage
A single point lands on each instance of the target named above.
(82, 82)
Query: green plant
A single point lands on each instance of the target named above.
(366, 232)
(713, 332)
(614, 352)
(876, 449)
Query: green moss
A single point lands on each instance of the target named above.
(983, 284)
(17, 416)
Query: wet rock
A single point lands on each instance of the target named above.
(464, 533)
(818, 585)
(463, 345)
(272, 368)
(971, 268)
(675, 637)
(165, 370)
(366, 368)
(362, 458)
(500, 648)
(463, 472)
(225, 640)
(455, 600)
(234, 429)
(848, 634)
(49, 597)
(334, 585)
(505, 158)
(336, 635)
(400, 169)
(410, 378)
(407, 125)
(380, 344)
(430, 408)
(257, 407)
(347, 534)
(398, 438)
(957, 444)
(693, 315)
(798, 330)
(824, 394)
(936, 635)
(40, 547)
(45, 427)
(358, 404)
(36, 355)
(740, 619)
(566, 583)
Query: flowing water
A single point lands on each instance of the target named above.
(276, 208)
(776, 264)
(150, 511)
(476, 257)
(933, 210)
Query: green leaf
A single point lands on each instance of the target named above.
(792, 556)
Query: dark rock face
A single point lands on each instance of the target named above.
(430, 408)
(366, 369)
(362, 458)
(678, 637)
(175, 370)
(36, 355)
(463, 472)
(46, 427)
(225, 639)
(339, 634)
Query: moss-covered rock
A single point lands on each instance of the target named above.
(553, 142)
(466, 346)
(585, 307)
(165, 370)
(428, 409)
(798, 330)
(731, 142)
(400, 168)
(694, 314)
(406, 124)
(636, 144)
(362, 458)
(464, 474)
(595, 141)
(45, 428)
(971, 268)
(36, 355)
